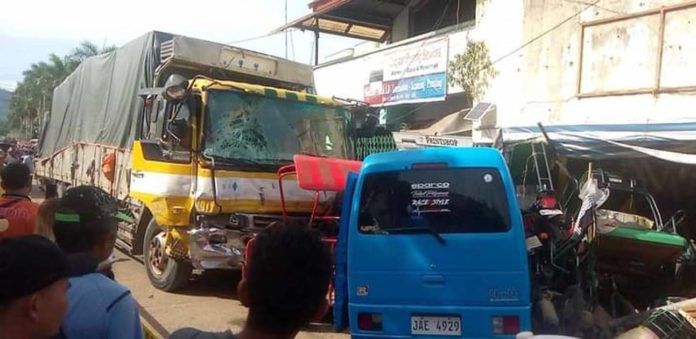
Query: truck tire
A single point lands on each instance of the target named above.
(165, 273)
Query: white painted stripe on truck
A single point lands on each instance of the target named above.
(161, 184)
(252, 189)
(228, 188)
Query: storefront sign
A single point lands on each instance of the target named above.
(407, 140)
(416, 59)
(413, 73)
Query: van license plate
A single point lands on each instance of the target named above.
(421, 325)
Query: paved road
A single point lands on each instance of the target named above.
(207, 303)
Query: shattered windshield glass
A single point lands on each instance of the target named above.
(271, 130)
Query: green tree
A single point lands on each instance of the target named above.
(472, 70)
(34, 93)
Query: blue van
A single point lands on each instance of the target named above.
(431, 243)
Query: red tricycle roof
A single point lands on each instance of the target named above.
(323, 174)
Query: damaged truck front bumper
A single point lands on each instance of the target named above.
(217, 248)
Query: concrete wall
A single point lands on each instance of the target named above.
(400, 25)
(617, 56)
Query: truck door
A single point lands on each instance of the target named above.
(162, 168)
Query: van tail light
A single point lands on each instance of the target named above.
(506, 325)
(370, 321)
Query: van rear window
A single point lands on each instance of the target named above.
(444, 200)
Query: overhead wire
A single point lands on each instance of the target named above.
(580, 2)
(259, 37)
(541, 35)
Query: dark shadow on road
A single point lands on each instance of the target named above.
(223, 284)
(213, 283)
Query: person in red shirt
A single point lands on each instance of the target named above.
(17, 211)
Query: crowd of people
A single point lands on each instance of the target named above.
(56, 278)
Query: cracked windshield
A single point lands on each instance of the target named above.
(271, 130)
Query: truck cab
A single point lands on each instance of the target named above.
(214, 169)
(432, 244)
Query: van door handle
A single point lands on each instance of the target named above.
(434, 279)
(138, 174)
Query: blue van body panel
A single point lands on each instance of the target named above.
(475, 276)
(340, 307)
(475, 320)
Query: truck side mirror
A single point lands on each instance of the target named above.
(177, 129)
(175, 88)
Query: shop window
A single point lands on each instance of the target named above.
(430, 15)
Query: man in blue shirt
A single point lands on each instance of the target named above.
(98, 307)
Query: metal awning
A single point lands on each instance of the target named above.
(671, 141)
(360, 19)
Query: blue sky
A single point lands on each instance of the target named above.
(32, 29)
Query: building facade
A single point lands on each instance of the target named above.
(559, 62)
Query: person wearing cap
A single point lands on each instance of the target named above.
(98, 307)
(33, 287)
(17, 211)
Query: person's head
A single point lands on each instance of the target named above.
(16, 178)
(288, 275)
(45, 217)
(86, 221)
(33, 288)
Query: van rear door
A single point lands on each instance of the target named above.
(438, 247)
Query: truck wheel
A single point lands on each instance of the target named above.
(165, 273)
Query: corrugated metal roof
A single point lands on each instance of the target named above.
(361, 19)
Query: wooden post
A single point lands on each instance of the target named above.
(581, 43)
(660, 47)
(316, 45)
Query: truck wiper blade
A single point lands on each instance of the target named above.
(430, 230)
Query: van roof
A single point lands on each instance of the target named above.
(453, 156)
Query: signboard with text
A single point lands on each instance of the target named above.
(408, 140)
(413, 73)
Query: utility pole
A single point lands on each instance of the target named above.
(286, 31)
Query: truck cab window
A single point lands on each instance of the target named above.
(170, 133)
(180, 133)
